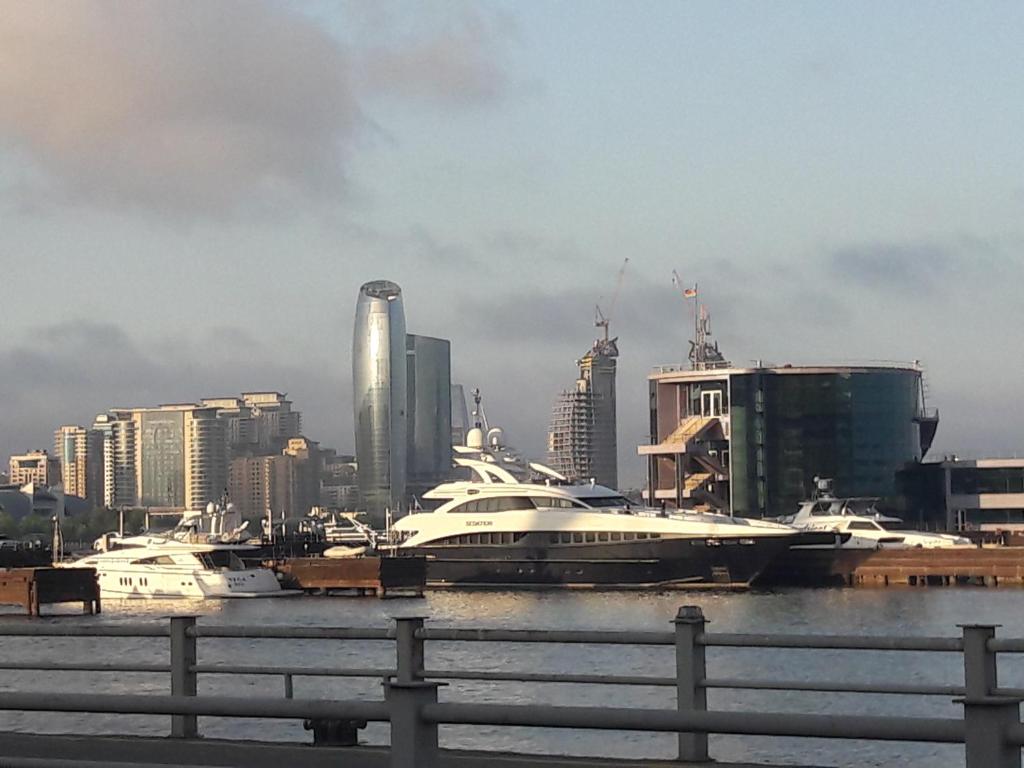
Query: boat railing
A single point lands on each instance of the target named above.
(990, 728)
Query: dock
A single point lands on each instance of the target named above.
(987, 566)
(32, 588)
(380, 576)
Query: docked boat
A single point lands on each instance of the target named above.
(859, 524)
(510, 533)
(859, 534)
(163, 567)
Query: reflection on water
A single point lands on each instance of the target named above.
(893, 612)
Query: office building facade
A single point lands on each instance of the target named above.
(750, 441)
(428, 413)
(380, 395)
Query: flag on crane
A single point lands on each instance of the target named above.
(690, 293)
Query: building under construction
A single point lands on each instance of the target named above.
(582, 442)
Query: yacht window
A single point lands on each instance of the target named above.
(821, 508)
(641, 535)
(554, 538)
(591, 538)
(628, 536)
(566, 538)
(654, 535)
(616, 536)
(602, 502)
(578, 538)
(863, 525)
(603, 536)
(158, 560)
(551, 502)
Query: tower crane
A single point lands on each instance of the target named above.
(603, 319)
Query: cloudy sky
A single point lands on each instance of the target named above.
(191, 194)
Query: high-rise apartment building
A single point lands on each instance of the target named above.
(379, 371)
(117, 437)
(180, 456)
(37, 467)
(582, 442)
(80, 453)
(429, 412)
(257, 423)
(339, 484)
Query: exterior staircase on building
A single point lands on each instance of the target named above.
(695, 482)
(689, 429)
(711, 464)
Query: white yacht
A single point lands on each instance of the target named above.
(502, 533)
(163, 567)
(859, 525)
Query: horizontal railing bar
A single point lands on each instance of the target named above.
(83, 666)
(292, 633)
(837, 642)
(543, 677)
(222, 669)
(1001, 691)
(545, 636)
(939, 730)
(56, 762)
(834, 687)
(85, 630)
(1006, 644)
(1015, 734)
(213, 706)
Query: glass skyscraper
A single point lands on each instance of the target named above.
(380, 398)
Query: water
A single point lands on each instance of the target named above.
(907, 612)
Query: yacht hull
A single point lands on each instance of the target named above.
(150, 583)
(720, 562)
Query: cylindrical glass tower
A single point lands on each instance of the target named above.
(380, 396)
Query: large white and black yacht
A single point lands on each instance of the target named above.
(519, 524)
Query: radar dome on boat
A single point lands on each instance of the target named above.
(475, 438)
(496, 437)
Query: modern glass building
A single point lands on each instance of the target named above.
(380, 396)
(429, 412)
(750, 441)
(161, 457)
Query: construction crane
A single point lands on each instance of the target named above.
(603, 319)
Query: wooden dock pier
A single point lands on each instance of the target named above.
(380, 576)
(32, 588)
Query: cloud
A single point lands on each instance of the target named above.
(456, 65)
(894, 266)
(207, 108)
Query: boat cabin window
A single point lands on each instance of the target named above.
(821, 508)
(552, 502)
(220, 560)
(158, 560)
(495, 504)
(603, 502)
(863, 525)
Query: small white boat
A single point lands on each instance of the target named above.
(859, 525)
(160, 567)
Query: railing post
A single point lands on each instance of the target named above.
(987, 715)
(690, 673)
(183, 676)
(408, 649)
(413, 741)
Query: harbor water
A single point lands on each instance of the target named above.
(903, 612)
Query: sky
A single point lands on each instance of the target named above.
(192, 193)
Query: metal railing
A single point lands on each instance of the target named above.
(990, 728)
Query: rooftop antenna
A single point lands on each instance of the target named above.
(703, 354)
(605, 345)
